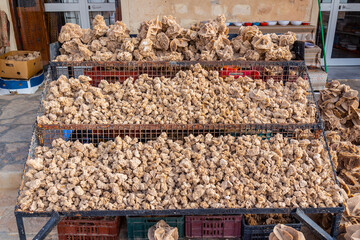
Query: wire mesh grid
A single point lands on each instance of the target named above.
(150, 132)
(34, 142)
(104, 132)
(95, 133)
(119, 71)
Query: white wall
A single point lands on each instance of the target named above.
(188, 12)
(4, 5)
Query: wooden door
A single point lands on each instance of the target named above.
(29, 22)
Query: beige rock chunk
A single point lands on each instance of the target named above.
(283, 232)
(79, 191)
(70, 31)
(163, 39)
(36, 163)
(99, 26)
(179, 174)
(118, 31)
(153, 100)
(162, 231)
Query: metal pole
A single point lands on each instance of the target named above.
(53, 221)
(335, 224)
(322, 34)
(302, 217)
(20, 226)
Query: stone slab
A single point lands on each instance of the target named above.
(10, 179)
(8, 227)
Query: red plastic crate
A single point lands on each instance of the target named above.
(234, 71)
(213, 226)
(99, 228)
(111, 75)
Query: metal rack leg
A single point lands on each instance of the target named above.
(302, 217)
(53, 221)
(20, 226)
(335, 224)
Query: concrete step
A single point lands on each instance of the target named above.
(318, 79)
(8, 227)
(10, 176)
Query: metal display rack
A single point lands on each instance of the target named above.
(119, 71)
(298, 213)
(94, 133)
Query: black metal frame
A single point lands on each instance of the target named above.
(298, 213)
(118, 71)
(169, 68)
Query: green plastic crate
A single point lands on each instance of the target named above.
(138, 226)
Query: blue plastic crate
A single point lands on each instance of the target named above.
(67, 134)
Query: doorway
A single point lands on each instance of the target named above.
(81, 12)
(341, 20)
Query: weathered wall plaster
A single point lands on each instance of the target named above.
(188, 12)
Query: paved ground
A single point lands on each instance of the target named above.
(354, 84)
(17, 116)
(337, 72)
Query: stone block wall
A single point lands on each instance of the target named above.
(188, 12)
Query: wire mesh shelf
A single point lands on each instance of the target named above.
(55, 216)
(119, 71)
(94, 133)
(150, 132)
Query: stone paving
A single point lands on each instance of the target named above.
(17, 116)
(8, 227)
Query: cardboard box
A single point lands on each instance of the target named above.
(312, 56)
(19, 69)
